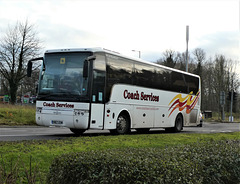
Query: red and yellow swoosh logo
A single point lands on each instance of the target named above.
(181, 103)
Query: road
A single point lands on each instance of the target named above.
(46, 133)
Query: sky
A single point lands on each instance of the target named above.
(148, 26)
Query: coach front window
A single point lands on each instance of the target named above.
(62, 78)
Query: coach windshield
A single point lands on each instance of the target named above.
(62, 77)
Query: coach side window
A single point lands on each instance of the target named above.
(119, 71)
(192, 84)
(162, 79)
(179, 83)
(144, 75)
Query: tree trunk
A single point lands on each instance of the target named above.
(13, 92)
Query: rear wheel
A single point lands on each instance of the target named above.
(123, 125)
(77, 132)
(178, 125)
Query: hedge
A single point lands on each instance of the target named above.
(212, 162)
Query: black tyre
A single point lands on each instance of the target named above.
(77, 132)
(178, 125)
(123, 125)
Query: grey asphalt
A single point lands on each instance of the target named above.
(47, 133)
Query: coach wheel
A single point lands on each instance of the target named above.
(178, 123)
(123, 125)
(77, 132)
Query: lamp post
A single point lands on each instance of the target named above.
(139, 53)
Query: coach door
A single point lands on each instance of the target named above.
(97, 96)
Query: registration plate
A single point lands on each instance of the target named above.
(55, 122)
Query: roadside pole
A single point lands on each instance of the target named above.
(222, 103)
(231, 107)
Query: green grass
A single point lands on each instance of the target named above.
(14, 115)
(42, 153)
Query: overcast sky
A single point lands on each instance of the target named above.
(149, 26)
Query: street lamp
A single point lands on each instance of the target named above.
(139, 53)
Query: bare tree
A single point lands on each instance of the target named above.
(207, 92)
(29, 84)
(17, 46)
(175, 60)
(181, 61)
(169, 58)
(199, 56)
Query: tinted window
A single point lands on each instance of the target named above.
(162, 79)
(192, 83)
(143, 75)
(123, 71)
(99, 72)
(179, 83)
(119, 71)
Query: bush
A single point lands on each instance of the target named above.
(213, 162)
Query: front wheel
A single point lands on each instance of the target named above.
(123, 125)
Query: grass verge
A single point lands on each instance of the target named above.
(32, 159)
(14, 115)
